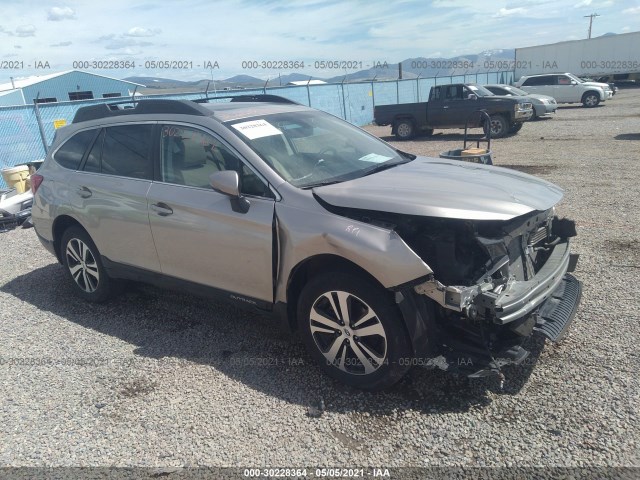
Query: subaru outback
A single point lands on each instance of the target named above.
(379, 259)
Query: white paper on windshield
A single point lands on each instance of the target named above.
(374, 158)
(256, 129)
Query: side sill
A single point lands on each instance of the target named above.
(128, 272)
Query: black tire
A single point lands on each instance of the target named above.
(82, 263)
(516, 128)
(386, 339)
(590, 99)
(534, 115)
(405, 130)
(428, 132)
(499, 126)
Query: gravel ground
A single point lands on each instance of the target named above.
(164, 379)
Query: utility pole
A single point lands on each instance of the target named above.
(591, 17)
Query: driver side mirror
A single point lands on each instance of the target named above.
(472, 96)
(227, 182)
(573, 82)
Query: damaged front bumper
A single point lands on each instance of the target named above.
(546, 303)
(508, 303)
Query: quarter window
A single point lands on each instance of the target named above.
(70, 154)
(189, 156)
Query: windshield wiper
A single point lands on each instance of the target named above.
(384, 166)
(321, 184)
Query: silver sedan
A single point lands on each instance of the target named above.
(542, 104)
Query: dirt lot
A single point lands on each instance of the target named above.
(164, 379)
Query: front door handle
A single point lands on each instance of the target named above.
(84, 192)
(446, 106)
(162, 209)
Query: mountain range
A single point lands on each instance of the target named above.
(486, 61)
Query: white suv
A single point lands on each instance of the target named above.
(566, 88)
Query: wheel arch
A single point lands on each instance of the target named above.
(60, 225)
(589, 92)
(317, 265)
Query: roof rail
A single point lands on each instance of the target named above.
(250, 98)
(106, 110)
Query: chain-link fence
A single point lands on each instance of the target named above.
(26, 129)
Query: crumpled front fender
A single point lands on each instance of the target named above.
(379, 251)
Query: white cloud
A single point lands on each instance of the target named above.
(631, 11)
(583, 3)
(142, 32)
(56, 14)
(26, 31)
(510, 12)
(61, 44)
(125, 43)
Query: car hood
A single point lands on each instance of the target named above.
(604, 86)
(540, 96)
(437, 187)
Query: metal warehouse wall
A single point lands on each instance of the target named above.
(13, 97)
(59, 87)
(20, 139)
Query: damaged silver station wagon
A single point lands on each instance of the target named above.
(379, 259)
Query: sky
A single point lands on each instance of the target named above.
(234, 36)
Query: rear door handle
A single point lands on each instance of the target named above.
(84, 192)
(446, 106)
(162, 209)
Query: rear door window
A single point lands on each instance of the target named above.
(542, 80)
(70, 154)
(126, 151)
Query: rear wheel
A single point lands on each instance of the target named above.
(590, 99)
(81, 260)
(405, 130)
(353, 329)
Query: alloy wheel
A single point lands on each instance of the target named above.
(348, 333)
(82, 265)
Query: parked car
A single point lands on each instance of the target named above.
(542, 104)
(612, 85)
(380, 259)
(451, 106)
(566, 88)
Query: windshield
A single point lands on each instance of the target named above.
(516, 91)
(573, 77)
(313, 148)
(480, 90)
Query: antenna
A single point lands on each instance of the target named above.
(591, 17)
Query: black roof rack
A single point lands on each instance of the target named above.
(105, 110)
(250, 98)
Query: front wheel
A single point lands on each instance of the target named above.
(353, 329)
(499, 126)
(591, 100)
(405, 130)
(81, 260)
(515, 128)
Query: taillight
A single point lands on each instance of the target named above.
(36, 180)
